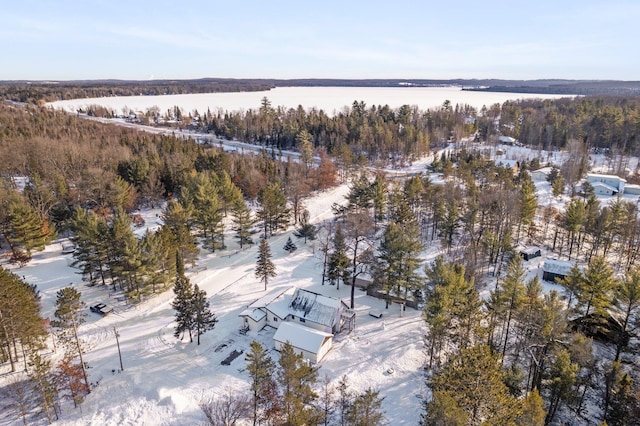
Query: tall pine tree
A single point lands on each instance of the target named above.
(265, 268)
(203, 319)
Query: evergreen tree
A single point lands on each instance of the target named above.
(306, 230)
(182, 302)
(562, 378)
(261, 369)
(528, 202)
(472, 382)
(203, 319)
(273, 213)
(297, 379)
(177, 218)
(624, 405)
(243, 222)
(399, 259)
(265, 268)
(366, 409)
(595, 293)
(290, 247)
(345, 398)
(20, 320)
(23, 230)
(627, 301)
(70, 314)
(533, 413)
(510, 296)
(45, 387)
(338, 265)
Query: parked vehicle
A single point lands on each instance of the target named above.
(101, 309)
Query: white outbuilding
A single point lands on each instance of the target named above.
(312, 344)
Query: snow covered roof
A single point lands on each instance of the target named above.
(604, 185)
(600, 176)
(301, 337)
(255, 314)
(545, 170)
(314, 307)
(530, 250)
(269, 298)
(556, 266)
(507, 139)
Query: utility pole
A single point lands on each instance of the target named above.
(118, 343)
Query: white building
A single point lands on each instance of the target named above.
(632, 189)
(613, 181)
(311, 344)
(540, 174)
(316, 318)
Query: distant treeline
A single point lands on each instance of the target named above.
(49, 91)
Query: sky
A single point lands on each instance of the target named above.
(419, 39)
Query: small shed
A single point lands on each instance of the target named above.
(310, 343)
(530, 252)
(540, 174)
(554, 268)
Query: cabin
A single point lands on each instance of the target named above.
(312, 344)
(554, 268)
(530, 252)
(540, 174)
(507, 140)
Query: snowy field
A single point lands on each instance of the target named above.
(165, 378)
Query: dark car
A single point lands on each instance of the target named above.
(101, 309)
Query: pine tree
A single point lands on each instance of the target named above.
(562, 378)
(70, 314)
(182, 303)
(265, 268)
(242, 222)
(533, 413)
(595, 293)
(23, 230)
(261, 369)
(306, 230)
(203, 319)
(627, 301)
(290, 247)
(472, 382)
(345, 399)
(399, 259)
(273, 213)
(338, 265)
(45, 387)
(297, 379)
(366, 409)
(20, 320)
(177, 218)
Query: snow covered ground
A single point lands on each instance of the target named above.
(164, 378)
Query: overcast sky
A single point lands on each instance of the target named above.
(442, 39)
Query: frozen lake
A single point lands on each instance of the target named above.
(330, 99)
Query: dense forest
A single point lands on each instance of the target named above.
(516, 357)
